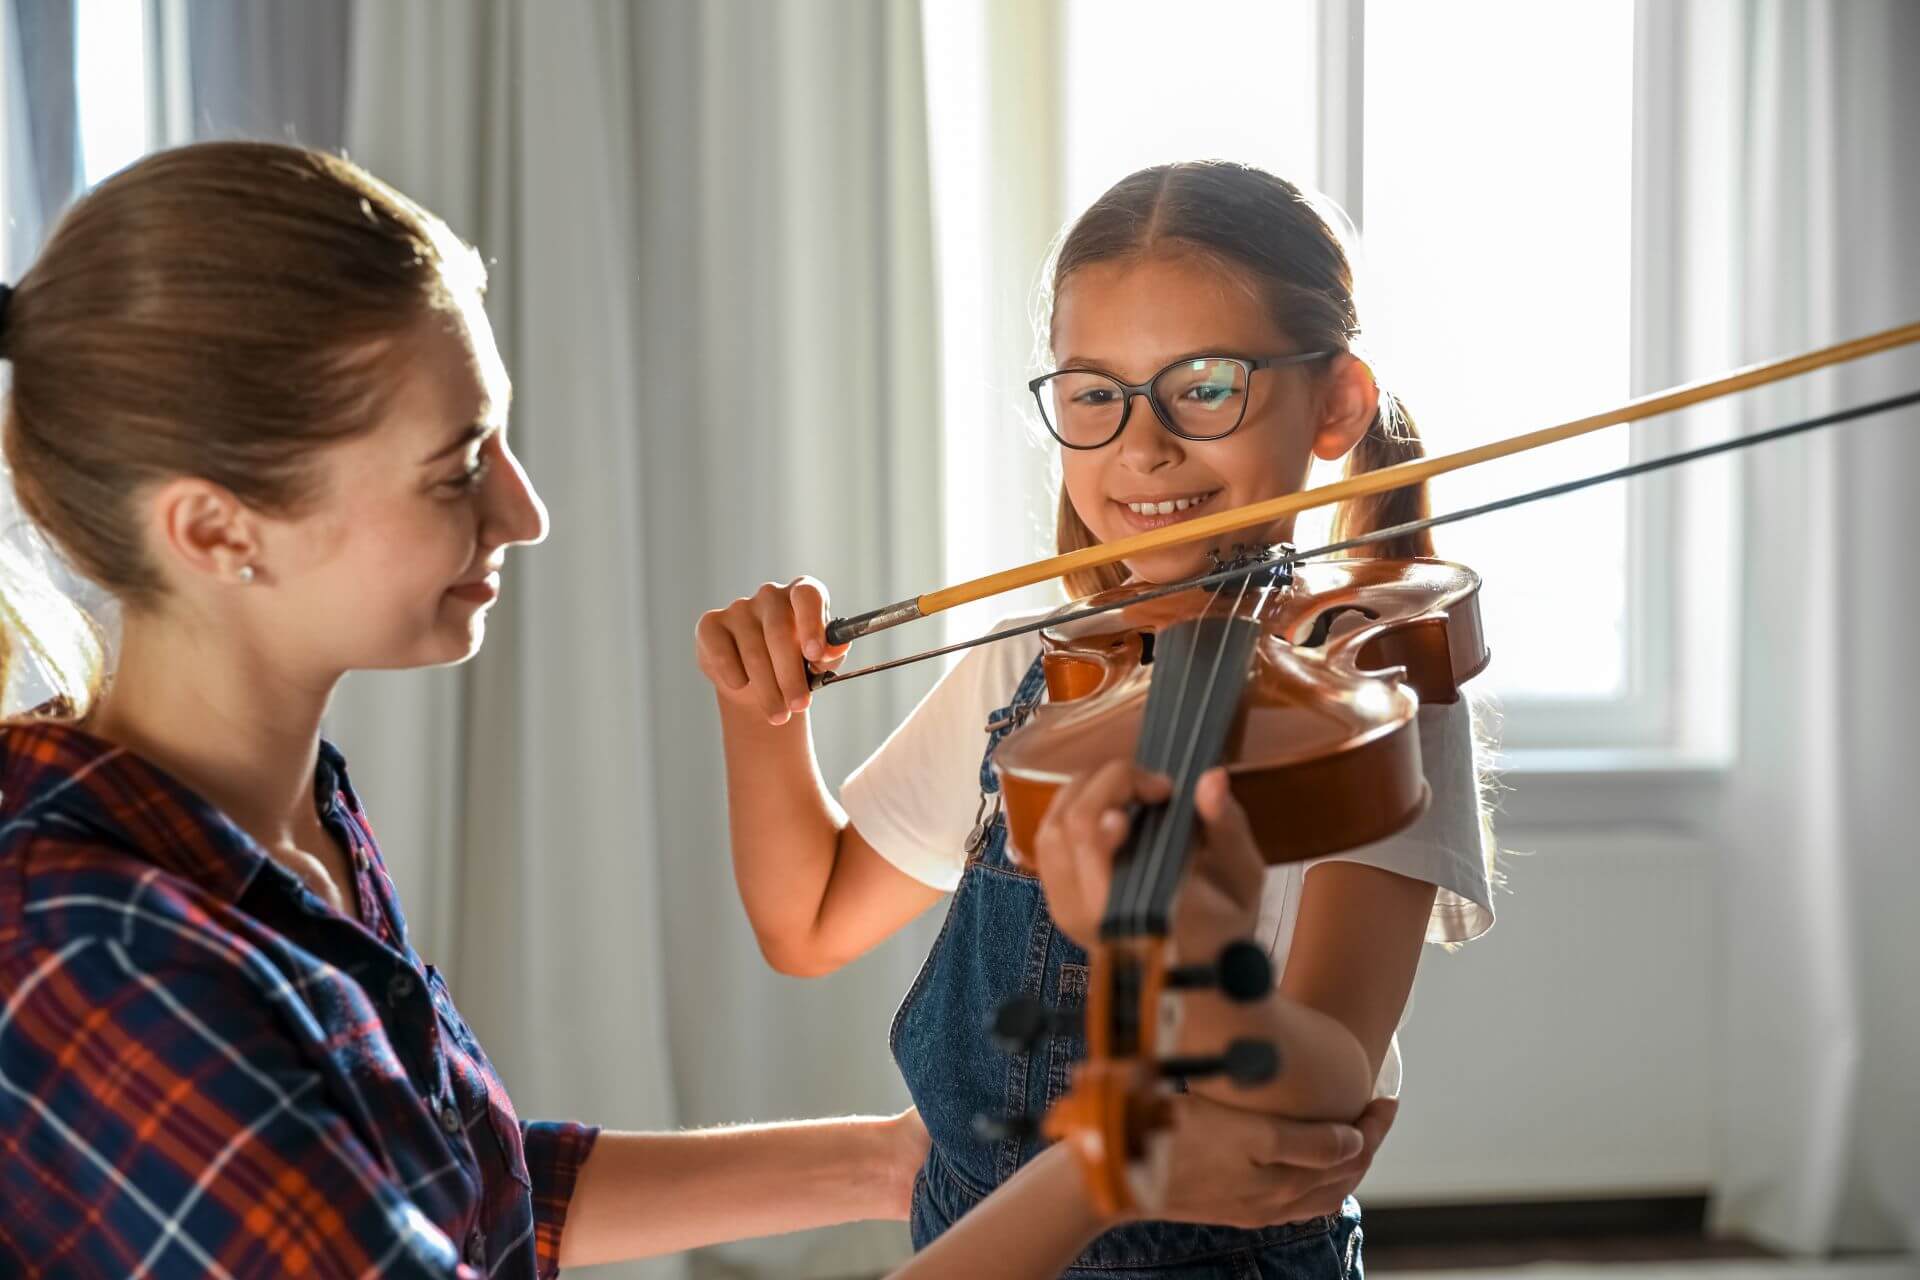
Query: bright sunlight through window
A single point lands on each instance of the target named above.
(1498, 180)
(111, 78)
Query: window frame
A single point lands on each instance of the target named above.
(1676, 711)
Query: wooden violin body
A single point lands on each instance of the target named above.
(1324, 753)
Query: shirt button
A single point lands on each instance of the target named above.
(399, 987)
(476, 1249)
(449, 1118)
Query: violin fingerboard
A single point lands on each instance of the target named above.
(1200, 668)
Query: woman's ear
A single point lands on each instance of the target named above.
(201, 528)
(1349, 403)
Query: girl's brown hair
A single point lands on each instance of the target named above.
(1265, 231)
(218, 310)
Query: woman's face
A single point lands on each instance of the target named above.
(1132, 319)
(400, 558)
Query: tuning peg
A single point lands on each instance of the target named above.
(1246, 1063)
(1022, 1022)
(997, 1128)
(1242, 972)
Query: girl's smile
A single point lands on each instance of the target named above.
(1151, 511)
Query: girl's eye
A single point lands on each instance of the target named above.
(1209, 394)
(1094, 395)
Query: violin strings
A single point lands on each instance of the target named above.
(1161, 715)
(1171, 835)
(1397, 531)
(1171, 680)
(1230, 660)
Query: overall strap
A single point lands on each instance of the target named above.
(1033, 687)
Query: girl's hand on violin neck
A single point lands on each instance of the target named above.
(1086, 825)
(756, 650)
(1076, 841)
(1220, 897)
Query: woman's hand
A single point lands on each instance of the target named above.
(756, 650)
(1087, 822)
(1241, 1169)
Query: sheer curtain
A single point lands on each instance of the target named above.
(1794, 174)
(40, 110)
(710, 239)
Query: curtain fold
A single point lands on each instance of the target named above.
(709, 233)
(42, 113)
(1804, 238)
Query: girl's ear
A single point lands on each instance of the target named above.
(1349, 403)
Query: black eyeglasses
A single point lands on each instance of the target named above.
(1201, 398)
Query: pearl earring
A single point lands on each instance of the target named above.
(246, 573)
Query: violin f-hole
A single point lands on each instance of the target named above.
(1323, 625)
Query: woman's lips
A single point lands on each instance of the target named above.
(482, 592)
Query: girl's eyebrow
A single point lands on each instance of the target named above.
(1219, 349)
(466, 437)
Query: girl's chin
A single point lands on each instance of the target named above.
(1169, 566)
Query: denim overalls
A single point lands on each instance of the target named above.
(999, 941)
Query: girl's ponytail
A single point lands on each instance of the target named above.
(1392, 439)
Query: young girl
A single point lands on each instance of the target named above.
(254, 396)
(1201, 332)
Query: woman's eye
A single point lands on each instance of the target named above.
(470, 479)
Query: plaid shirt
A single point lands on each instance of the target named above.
(207, 1071)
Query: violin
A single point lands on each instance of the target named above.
(1303, 675)
(1305, 682)
(1319, 696)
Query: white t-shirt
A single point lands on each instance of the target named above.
(915, 801)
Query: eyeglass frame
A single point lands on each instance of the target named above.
(1251, 364)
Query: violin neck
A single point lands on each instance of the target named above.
(1200, 667)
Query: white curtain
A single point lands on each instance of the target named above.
(710, 240)
(1792, 121)
(41, 170)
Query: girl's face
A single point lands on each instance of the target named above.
(1132, 319)
(396, 561)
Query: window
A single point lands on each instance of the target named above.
(1146, 83)
(110, 73)
(1486, 153)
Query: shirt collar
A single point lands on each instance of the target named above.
(50, 768)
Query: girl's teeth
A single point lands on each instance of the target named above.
(1165, 508)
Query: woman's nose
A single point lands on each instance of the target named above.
(515, 515)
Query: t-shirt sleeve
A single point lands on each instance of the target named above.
(1447, 846)
(916, 799)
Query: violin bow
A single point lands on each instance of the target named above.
(842, 630)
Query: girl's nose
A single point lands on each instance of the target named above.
(1146, 445)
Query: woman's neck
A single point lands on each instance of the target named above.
(219, 718)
